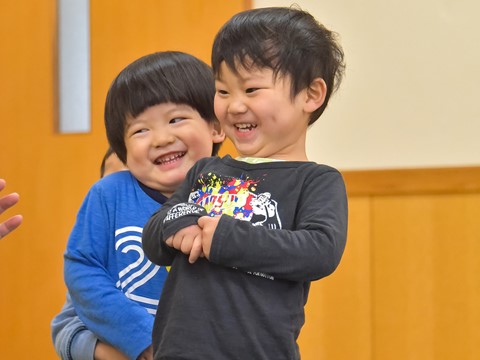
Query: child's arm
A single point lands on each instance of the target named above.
(177, 218)
(310, 250)
(99, 303)
(71, 338)
(173, 227)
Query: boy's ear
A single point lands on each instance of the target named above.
(316, 92)
(218, 135)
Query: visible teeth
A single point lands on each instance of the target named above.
(169, 158)
(245, 126)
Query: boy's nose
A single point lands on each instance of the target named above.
(237, 106)
(162, 138)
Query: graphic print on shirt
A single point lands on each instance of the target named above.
(237, 198)
(265, 212)
(128, 244)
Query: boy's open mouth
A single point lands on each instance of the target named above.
(166, 159)
(245, 127)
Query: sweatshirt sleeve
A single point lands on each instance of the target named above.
(310, 251)
(103, 307)
(173, 216)
(71, 338)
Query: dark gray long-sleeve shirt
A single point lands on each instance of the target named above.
(283, 224)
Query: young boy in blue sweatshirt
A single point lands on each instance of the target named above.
(246, 236)
(159, 121)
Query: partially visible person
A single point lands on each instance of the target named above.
(111, 163)
(245, 237)
(159, 121)
(6, 202)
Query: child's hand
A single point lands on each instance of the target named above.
(188, 241)
(208, 225)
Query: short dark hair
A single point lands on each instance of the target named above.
(285, 39)
(161, 77)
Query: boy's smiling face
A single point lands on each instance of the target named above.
(258, 114)
(165, 141)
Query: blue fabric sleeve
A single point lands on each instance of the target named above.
(103, 307)
(71, 339)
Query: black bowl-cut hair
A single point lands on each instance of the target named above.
(162, 77)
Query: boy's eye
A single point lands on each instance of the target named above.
(251, 90)
(176, 120)
(139, 131)
(222, 92)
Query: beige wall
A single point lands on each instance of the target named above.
(410, 97)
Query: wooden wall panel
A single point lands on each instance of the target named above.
(426, 276)
(408, 286)
(413, 181)
(339, 306)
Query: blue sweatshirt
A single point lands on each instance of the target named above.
(113, 286)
